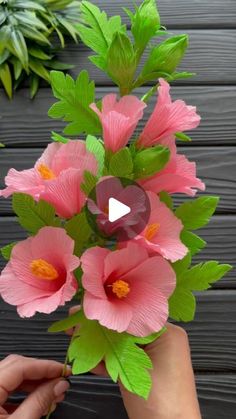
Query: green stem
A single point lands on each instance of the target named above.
(63, 375)
(149, 93)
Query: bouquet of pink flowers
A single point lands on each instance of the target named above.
(102, 225)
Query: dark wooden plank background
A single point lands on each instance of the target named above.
(25, 129)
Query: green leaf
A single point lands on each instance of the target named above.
(96, 147)
(34, 85)
(123, 358)
(166, 198)
(163, 58)
(97, 30)
(182, 304)
(121, 62)
(150, 161)
(193, 242)
(39, 53)
(121, 163)
(65, 324)
(74, 100)
(196, 214)
(183, 137)
(37, 67)
(6, 250)
(20, 47)
(79, 230)
(4, 56)
(5, 77)
(59, 138)
(89, 183)
(2, 145)
(200, 277)
(33, 216)
(145, 24)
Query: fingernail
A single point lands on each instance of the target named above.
(61, 388)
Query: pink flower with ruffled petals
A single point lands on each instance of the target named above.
(119, 119)
(162, 233)
(126, 290)
(56, 158)
(178, 176)
(39, 276)
(167, 118)
(65, 193)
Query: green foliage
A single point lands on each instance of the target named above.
(74, 96)
(197, 213)
(59, 138)
(163, 59)
(6, 250)
(121, 62)
(123, 358)
(182, 303)
(96, 147)
(89, 183)
(193, 242)
(27, 31)
(150, 161)
(79, 230)
(97, 31)
(145, 24)
(65, 324)
(183, 137)
(166, 198)
(32, 215)
(121, 163)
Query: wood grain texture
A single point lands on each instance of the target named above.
(182, 13)
(212, 334)
(25, 122)
(220, 235)
(216, 166)
(211, 54)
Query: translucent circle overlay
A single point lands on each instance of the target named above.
(128, 193)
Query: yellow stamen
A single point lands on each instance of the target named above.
(106, 210)
(120, 288)
(151, 231)
(45, 172)
(43, 270)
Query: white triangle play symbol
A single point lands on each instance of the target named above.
(117, 210)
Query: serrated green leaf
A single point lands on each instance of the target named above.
(33, 216)
(150, 161)
(74, 100)
(5, 77)
(79, 230)
(200, 277)
(123, 358)
(193, 242)
(89, 183)
(182, 265)
(182, 305)
(96, 147)
(6, 250)
(197, 213)
(121, 163)
(65, 324)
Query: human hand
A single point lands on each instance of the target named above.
(173, 394)
(40, 378)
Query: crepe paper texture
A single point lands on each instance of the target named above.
(127, 289)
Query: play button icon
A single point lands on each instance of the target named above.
(117, 210)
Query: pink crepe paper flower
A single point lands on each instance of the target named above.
(162, 233)
(168, 118)
(126, 290)
(55, 159)
(65, 193)
(119, 119)
(178, 176)
(39, 276)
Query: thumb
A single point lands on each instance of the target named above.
(40, 401)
